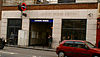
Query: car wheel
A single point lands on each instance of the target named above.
(95, 56)
(61, 54)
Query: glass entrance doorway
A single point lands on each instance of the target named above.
(12, 30)
(39, 31)
(73, 29)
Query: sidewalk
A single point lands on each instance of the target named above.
(34, 48)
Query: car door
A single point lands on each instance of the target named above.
(68, 48)
(80, 50)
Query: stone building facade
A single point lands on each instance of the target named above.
(77, 19)
(0, 13)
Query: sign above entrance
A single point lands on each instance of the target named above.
(42, 21)
(22, 7)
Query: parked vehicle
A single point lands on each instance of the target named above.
(2, 43)
(77, 48)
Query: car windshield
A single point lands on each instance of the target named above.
(90, 45)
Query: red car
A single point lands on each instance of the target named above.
(77, 48)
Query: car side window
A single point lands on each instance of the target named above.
(80, 45)
(68, 44)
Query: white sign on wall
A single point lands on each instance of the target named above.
(23, 38)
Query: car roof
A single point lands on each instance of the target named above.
(75, 40)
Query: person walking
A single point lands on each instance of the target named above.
(50, 41)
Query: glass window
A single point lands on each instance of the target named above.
(51, 0)
(90, 45)
(79, 44)
(13, 26)
(73, 29)
(66, 1)
(68, 43)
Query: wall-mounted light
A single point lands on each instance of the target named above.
(90, 14)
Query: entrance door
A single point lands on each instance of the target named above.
(39, 31)
(12, 30)
(73, 29)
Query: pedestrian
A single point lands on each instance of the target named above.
(63, 38)
(50, 39)
(2, 43)
(12, 36)
(68, 38)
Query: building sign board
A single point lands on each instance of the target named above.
(23, 6)
(50, 20)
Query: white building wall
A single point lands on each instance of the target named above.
(85, 1)
(4, 28)
(25, 24)
(52, 1)
(98, 9)
(56, 32)
(0, 27)
(57, 16)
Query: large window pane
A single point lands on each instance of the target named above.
(13, 26)
(66, 1)
(73, 29)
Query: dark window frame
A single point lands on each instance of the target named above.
(73, 29)
(69, 43)
(66, 1)
(13, 27)
(81, 45)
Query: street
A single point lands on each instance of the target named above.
(20, 52)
